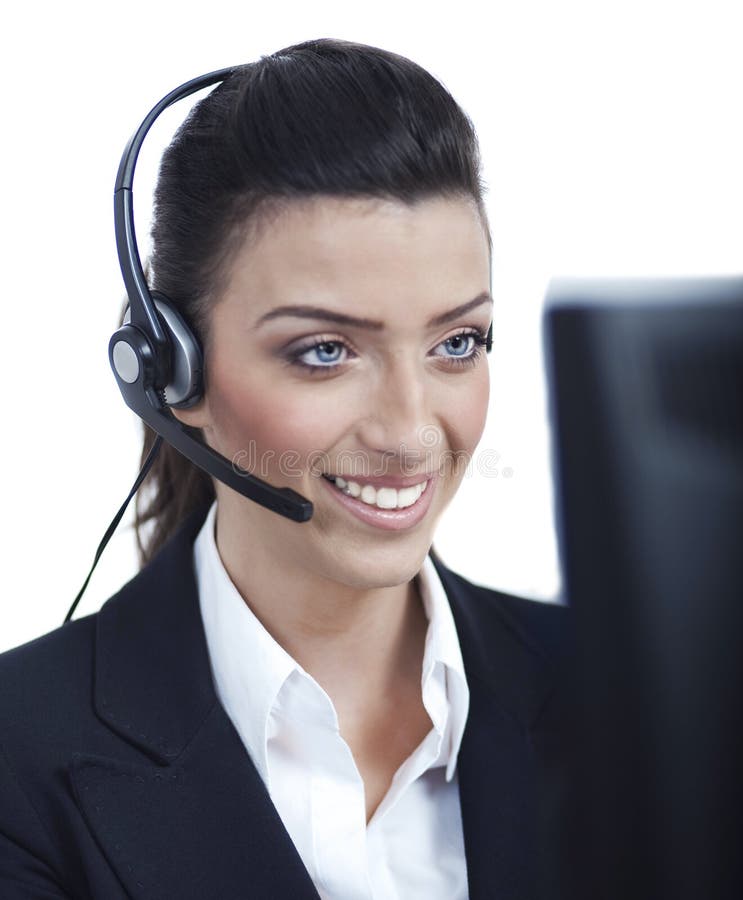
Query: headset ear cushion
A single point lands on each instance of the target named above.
(185, 386)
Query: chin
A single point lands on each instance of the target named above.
(379, 567)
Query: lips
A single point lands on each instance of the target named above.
(398, 519)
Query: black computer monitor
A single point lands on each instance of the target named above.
(645, 387)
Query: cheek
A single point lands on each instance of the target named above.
(253, 415)
(467, 424)
(469, 414)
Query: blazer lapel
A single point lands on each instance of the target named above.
(201, 827)
(496, 763)
(188, 816)
(496, 796)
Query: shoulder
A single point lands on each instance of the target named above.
(543, 628)
(57, 660)
(46, 714)
(47, 686)
(520, 648)
(57, 691)
(62, 660)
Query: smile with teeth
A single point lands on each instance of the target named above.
(381, 497)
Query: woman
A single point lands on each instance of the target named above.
(274, 709)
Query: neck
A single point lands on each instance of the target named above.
(360, 644)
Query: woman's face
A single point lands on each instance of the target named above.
(387, 388)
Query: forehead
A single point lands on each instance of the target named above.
(363, 254)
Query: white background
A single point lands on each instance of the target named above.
(612, 144)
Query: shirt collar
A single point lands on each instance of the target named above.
(442, 646)
(250, 667)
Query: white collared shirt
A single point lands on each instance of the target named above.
(413, 845)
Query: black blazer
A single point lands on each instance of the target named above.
(121, 776)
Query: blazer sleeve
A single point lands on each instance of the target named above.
(25, 873)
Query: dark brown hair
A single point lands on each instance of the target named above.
(324, 117)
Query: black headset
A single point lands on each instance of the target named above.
(157, 360)
(155, 357)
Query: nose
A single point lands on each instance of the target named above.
(399, 424)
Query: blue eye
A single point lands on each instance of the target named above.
(466, 354)
(467, 347)
(462, 340)
(324, 352)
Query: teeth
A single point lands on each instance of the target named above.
(383, 497)
(369, 495)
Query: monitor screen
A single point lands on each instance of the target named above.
(645, 388)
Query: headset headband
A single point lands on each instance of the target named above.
(142, 308)
(147, 352)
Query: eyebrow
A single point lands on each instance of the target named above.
(319, 312)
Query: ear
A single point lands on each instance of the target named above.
(196, 416)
